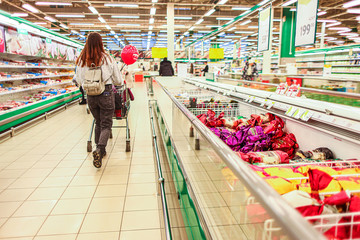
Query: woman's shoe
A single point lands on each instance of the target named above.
(83, 102)
(97, 155)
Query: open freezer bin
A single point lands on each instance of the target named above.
(230, 200)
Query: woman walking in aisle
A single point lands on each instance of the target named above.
(102, 106)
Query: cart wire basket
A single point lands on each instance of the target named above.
(123, 100)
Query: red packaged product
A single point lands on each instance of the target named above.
(287, 143)
(268, 157)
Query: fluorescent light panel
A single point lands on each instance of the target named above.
(50, 19)
(289, 3)
(351, 4)
(69, 15)
(211, 11)
(124, 16)
(19, 15)
(82, 24)
(53, 4)
(93, 10)
(240, 8)
(153, 11)
(246, 22)
(121, 5)
(101, 19)
(129, 24)
(199, 21)
(30, 8)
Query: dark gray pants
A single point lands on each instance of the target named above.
(102, 108)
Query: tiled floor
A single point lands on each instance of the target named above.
(49, 189)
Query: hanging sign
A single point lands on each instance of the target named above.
(306, 17)
(264, 29)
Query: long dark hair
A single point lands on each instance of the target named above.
(93, 51)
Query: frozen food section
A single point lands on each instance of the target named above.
(271, 190)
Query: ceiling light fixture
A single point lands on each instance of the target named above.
(354, 10)
(64, 26)
(351, 4)
(231, 29)
(53, 4)
(69, 15)
(289, 3)
(199, 21)
(192, 28)
(222, 2)
(101, 19)
(108, 27)
(246, 22)
(244, 32)
(153, 11)
(19, 15)
(263, 2)
(340, 28)
(224, 18)
(123, 16)
(151, 27)
(211, 11)
(30, 8)
(82, 24)
(327, 20)
(40, 23)
(121, 5)
(240, 8)
(321, 13)
(128, 24)
(112, 32)
(151, 20)
(50, 19)
(93, 10)
(333, 24)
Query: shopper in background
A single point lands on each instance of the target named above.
(245, 70)
(206, 69)
(101, 106)
(166, 68)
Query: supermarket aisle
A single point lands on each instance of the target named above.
(50, 190)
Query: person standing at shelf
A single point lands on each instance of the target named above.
(101, 106)
(166, 68)
(206, 69)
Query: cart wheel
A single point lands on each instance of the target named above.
(88, 110)
(197, 144)
(129, 133)
(89, 146)
(127, 146)
(111, 135)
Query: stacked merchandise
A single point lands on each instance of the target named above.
(42, 95)
(312, 182)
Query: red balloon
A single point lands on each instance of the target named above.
(129, 54)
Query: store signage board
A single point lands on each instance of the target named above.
(264, 29)
(306, 19)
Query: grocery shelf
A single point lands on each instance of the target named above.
(14, 56)
(33, 67)
(312, 67)
(37, 77)
(26, 112)
(347, 72)
(345, 65)
(34, 88)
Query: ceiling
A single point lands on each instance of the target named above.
(130, 22)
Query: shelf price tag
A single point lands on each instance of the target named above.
(263, 103)
(291, 110)
(251, 99)
(306, 18)
(271, 105)
(306, 115)
(247, 99)
(298, 113)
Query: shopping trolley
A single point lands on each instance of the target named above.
(123, 95)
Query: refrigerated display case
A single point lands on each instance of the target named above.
(231, 200)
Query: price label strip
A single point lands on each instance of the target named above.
(263, 103)
(270, 105)
(298, 113)
(306, 115)
(251, 99)
(291, 110)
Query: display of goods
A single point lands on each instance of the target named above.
(317, 154)
(267, 157)
(257, 134)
